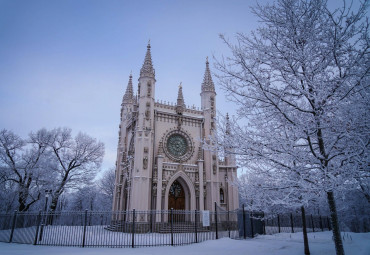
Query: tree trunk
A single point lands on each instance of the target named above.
(22, 205)
(305, 238)
(54, 202)
(334, 223)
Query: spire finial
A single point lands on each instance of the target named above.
(207, 84)
(180, 101)
(129, 94)
(147, 68)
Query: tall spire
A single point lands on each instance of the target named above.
(180, 101)
(180, 97)
(129, 94)
(147, 68)
(208, 84)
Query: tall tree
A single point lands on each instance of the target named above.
(302, 83)
(22, 163)
(106, 185)
(77, 160)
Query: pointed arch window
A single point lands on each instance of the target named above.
(222, 196)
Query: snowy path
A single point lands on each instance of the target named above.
(278, 244)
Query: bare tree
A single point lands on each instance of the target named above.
(22, 163)
(76, 160)
(106, 183)
(84, 199)
(302, 83)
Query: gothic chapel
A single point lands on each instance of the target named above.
(160, 160)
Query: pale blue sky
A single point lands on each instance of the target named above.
(67, 63)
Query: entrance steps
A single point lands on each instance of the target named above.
(182, 228)
(164, 228)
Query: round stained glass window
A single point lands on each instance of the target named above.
(177, 145)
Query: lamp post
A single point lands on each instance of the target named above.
(47, 194)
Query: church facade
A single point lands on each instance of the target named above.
(161, 163)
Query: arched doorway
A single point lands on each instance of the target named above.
(176, 196)
(187, 187)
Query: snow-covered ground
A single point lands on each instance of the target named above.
(278, 244)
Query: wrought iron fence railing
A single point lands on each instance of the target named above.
(145, 228)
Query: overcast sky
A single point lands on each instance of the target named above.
(67, 63)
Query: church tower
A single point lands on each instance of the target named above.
(143, 160)
(162, 162)
(208, 103)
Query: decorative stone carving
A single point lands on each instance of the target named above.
(163, 188)
(146, 149)
(145, 162)
(200, 153)
(179, 122)
(147, 114)
(160, 148)
(214, 167)
(149, 90)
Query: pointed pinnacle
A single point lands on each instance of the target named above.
(147, 68)
(207, 84)
(180, 97)
(129, 94)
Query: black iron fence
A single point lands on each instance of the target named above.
(290, 223)
(145, 228)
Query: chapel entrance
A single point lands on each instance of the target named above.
(176, 196)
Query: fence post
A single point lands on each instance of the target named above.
(195, 227)
(171, 222)
(152, 220)
(216, 220)
(244, 228)
(313, 226)
(84, 233)
(13, 226)
(264, 223)
(228, 221)
(321, 226)
(279, 222)
(305, 239)
(251, 220)
(133, 229)
(37, 227)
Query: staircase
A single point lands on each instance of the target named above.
(183, 227)
(164, 228)
(118, 227)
